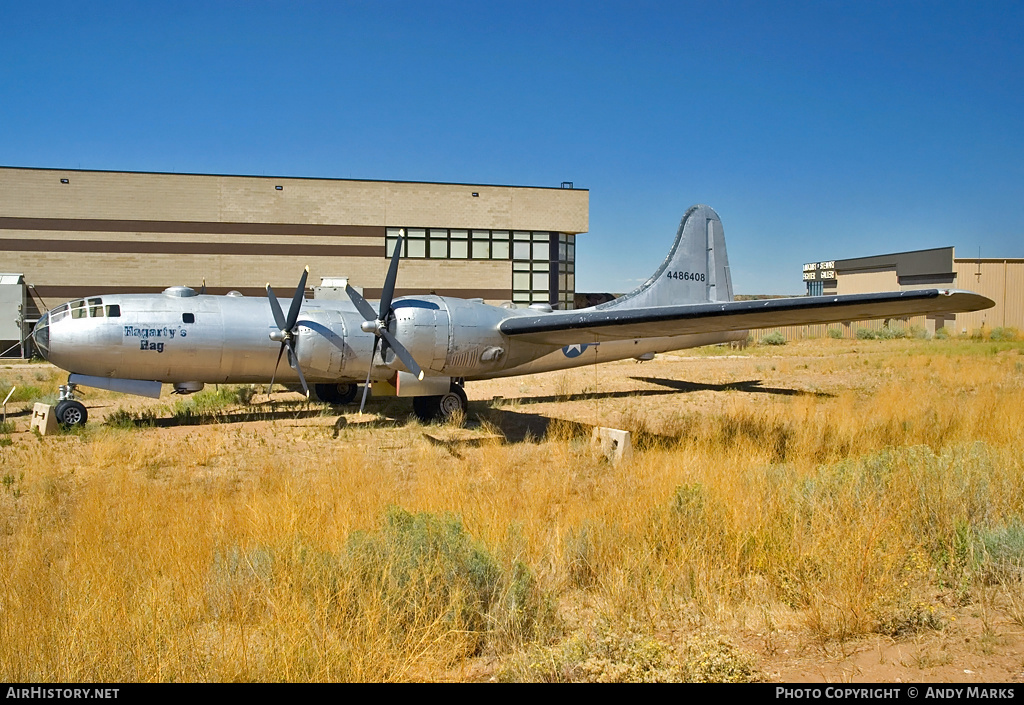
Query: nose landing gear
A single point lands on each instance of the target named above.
(69, 411)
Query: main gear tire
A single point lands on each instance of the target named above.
(336, 394)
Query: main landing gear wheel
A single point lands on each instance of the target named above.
(71, 413)
(336, 394)
(443, 408)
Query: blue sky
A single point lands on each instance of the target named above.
(817, 130)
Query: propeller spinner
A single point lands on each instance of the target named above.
(287, 328)
(376, 322)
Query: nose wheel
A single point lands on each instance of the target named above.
(69, 411)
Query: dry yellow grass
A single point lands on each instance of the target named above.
(879, 491)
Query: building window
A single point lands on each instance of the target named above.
(481, 244)
(543, 268)
(459, 244)
(543, 262)
(499, 244)
(438, 243)
(454, 243)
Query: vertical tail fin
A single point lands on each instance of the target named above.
(695, 271)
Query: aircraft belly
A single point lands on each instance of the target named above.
(593, 353)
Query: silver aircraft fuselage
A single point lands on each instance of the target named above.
(180, 336)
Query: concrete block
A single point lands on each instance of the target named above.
(43, 419)
(615, 444)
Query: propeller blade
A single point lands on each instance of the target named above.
(366, 387)
(293, 312)
(276, 365)
(388, 292)
(403, 354)
(362, 304)
(293, 358)
(276, 308)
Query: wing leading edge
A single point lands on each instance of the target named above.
(570, 327)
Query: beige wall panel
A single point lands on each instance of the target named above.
(38, 193)
(539, 209)
(990, 283)
(251, 199)
(424, 275)
(1014, 299)
(867, 282)
(436, 205)
(30, 193)
(446, 205)
(1000, 280)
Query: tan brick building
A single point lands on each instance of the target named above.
(79, 233)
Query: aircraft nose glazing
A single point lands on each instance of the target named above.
(41, 335)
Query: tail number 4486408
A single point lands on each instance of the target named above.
(685, 276)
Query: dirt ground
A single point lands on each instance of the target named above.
(979, 645)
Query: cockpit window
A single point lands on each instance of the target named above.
(95, 308)
(113, 311)
(59, 313)
(78, 309)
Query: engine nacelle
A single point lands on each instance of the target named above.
(470, 347)
(423, 326)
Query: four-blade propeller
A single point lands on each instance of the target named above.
(376, 322)
(287, 328)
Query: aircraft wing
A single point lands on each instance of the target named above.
(595, 324)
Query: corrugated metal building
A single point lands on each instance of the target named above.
(1001, 280)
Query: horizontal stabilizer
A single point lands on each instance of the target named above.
(571, 327)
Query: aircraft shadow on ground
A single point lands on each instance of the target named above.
(519, 425)
(751, 386)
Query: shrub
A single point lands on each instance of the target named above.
(887, 333)
(210, 404)
(1004, 551)
(1003, 334)
(123, 418)
(941, 334)
(776, 338)
(835, 333)
(866, 334)
(608, 655)
(423, 569)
